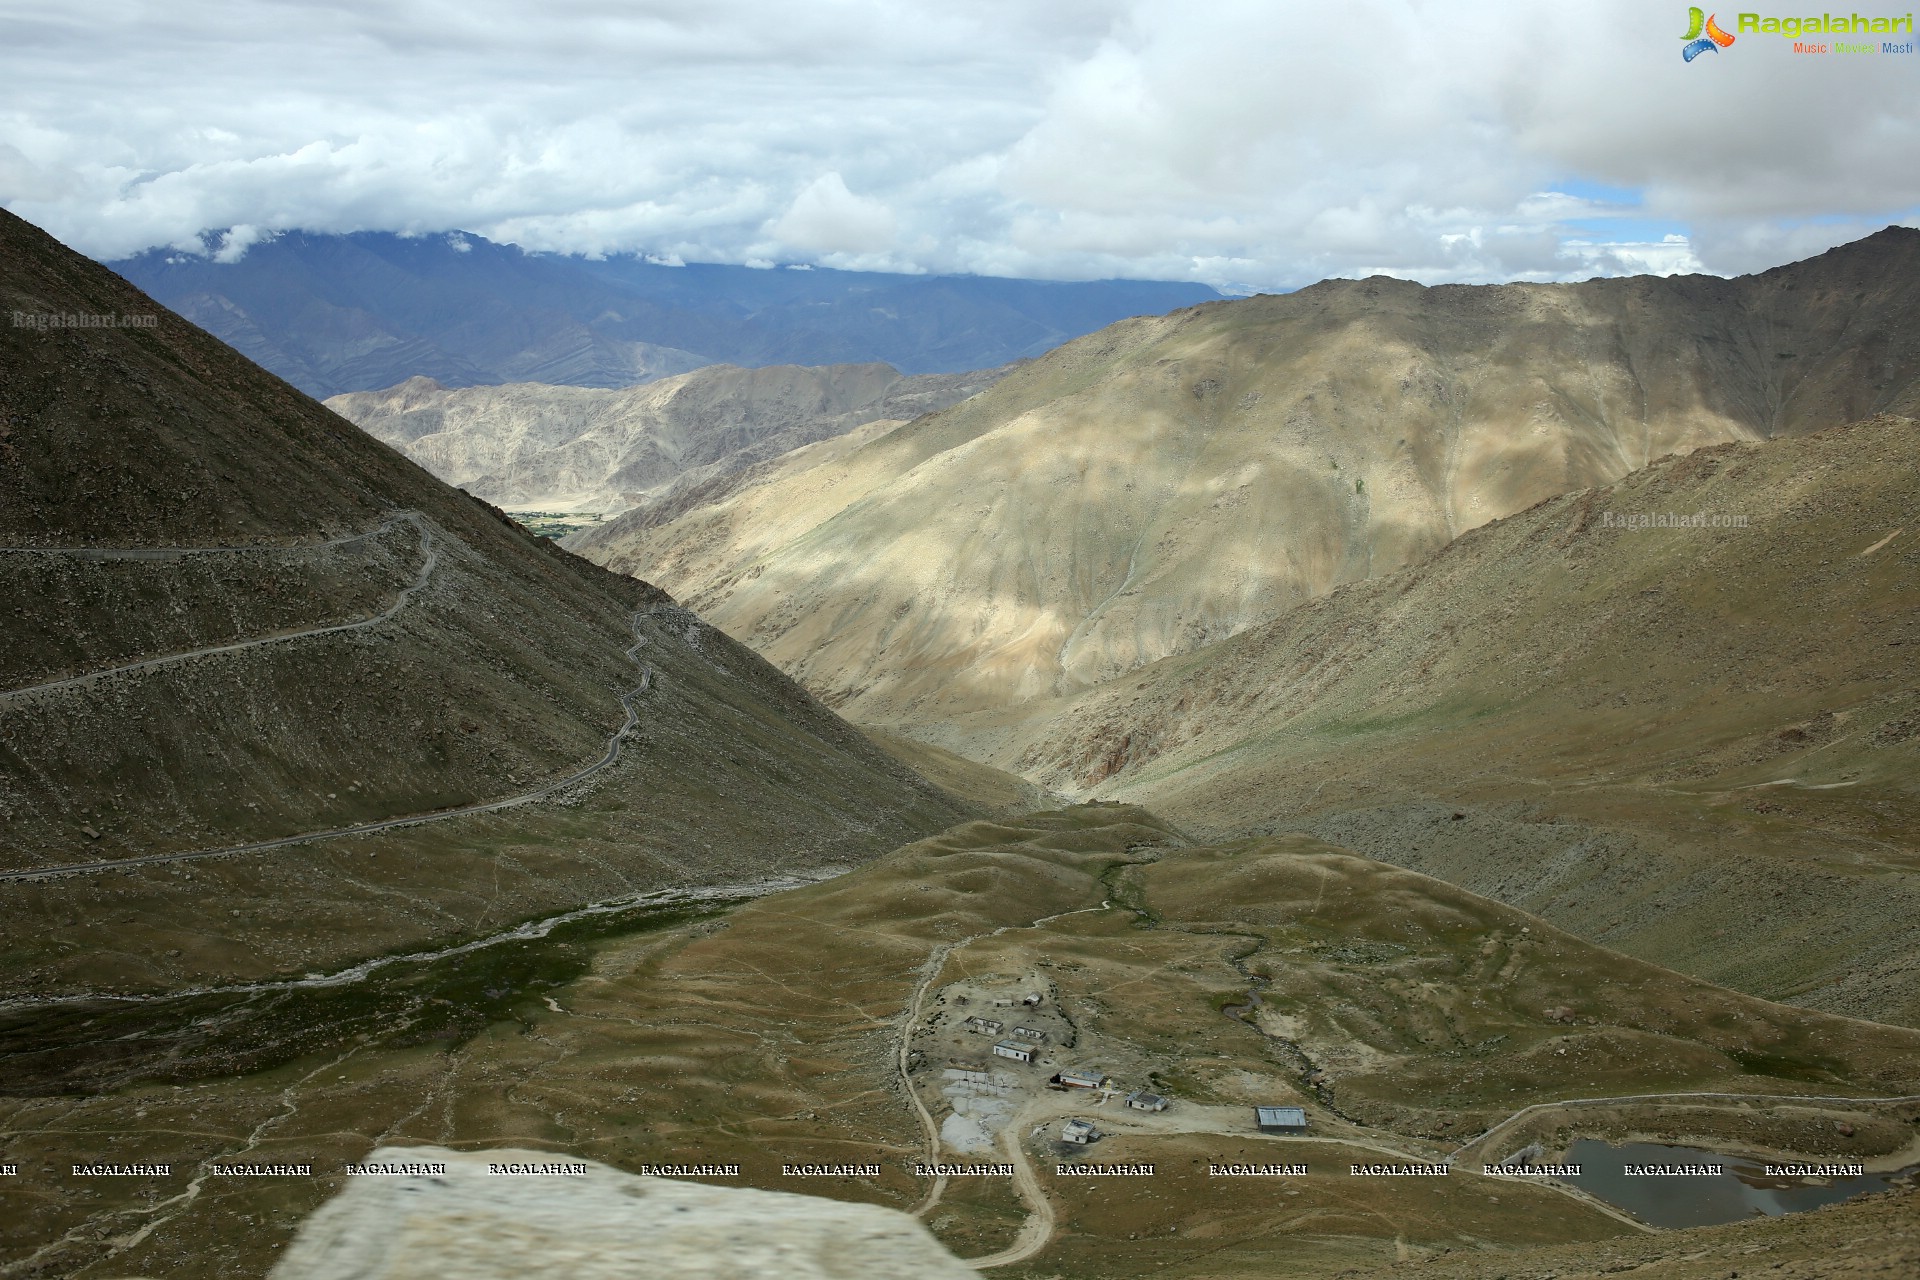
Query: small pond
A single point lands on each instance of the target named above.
(1684, 1194)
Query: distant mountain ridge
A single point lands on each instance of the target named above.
(532, 446)
(359, 312)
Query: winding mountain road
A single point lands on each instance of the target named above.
(606, 761)
(186, 553)
(1667, 1097)
(1037, 1230)
(936, 960)
(429, 559)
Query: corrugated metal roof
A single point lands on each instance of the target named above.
(1291, 1117)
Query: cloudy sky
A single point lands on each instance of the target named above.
(1245, 143)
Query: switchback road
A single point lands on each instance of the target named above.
(429, 558)
(606, 761)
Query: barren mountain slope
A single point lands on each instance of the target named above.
(529, 445)
(1697, 745)
(1169, 482)
(233, 617)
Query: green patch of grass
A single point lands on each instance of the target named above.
(554, 524)
(97, 1045)
(1782, 1066)
(1441, 713)
(1125, 890)
(1185, 1085)
(1361, 951)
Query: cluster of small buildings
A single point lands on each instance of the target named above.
(1032, 1000)
(1081, 1132)
(1022, 1044)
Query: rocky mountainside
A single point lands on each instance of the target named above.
(339, 313)
(1169, 482)
(235, 619)
(526, 446)
(1697, 744)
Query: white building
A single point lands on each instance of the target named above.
(1015, 1050)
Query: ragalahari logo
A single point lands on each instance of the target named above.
(1698, 21)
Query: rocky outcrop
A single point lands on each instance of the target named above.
(470, 1223)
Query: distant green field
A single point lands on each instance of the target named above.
(555, 524)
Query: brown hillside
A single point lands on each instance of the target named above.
(1697, 745)
(232, 617)
(1168, 482)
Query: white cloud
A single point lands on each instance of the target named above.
(22, 179)
(1669, 255)
(1245, 142)
(827, 218)
(237, 240)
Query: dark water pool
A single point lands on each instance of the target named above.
(1743, 1187)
